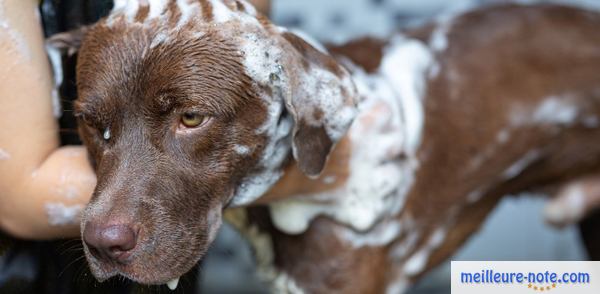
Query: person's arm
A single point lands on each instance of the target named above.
(42, 187)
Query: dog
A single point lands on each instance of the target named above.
(364, 164)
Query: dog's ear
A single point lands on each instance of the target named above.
(68, 42)
(321, 99)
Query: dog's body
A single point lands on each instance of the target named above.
(443, 121)
(503, 114)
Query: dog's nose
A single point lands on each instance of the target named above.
(110, 243)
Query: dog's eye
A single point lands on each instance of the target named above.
(192, 119)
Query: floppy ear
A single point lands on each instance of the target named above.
(68, 42)
(321, 99)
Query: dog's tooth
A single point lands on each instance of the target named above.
(172, 284)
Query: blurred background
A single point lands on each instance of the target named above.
(509, 233)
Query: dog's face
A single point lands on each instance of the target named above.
(187, 107)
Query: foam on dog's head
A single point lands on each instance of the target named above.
(316, 91)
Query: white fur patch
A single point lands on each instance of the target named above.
(60, 214)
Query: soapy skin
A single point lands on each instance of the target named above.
(34, 171)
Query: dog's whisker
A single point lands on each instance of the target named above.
(71, 263)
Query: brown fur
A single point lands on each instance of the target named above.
(526, 54)
(146, 172)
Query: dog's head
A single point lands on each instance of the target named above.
(187, 107)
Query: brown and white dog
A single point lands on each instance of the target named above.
(188, 107)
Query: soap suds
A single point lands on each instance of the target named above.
(567, 208)
(221, 12)
(17, 38)
(106, 135)
(329, 180)
(417, 262)
(160, 39)
(398, 286)
(591, 122)
(480, 158)
(57, 72)
(475, 195)
(241, 149)
(275, 153)
(503, 136)
(60, 214)
(271, 63)
(388, 127)
(188, 11)
(380, 235)
(520, 165)
(407, 244)
(69, 192)
(4, 155)
(553, 110)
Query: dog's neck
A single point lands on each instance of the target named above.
(294, 183)
(370, 170)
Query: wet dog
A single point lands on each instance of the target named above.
(189, 107)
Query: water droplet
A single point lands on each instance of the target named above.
(106, 134)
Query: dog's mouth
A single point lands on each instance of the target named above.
(102, 273)
(142, 268)
(158, 258)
